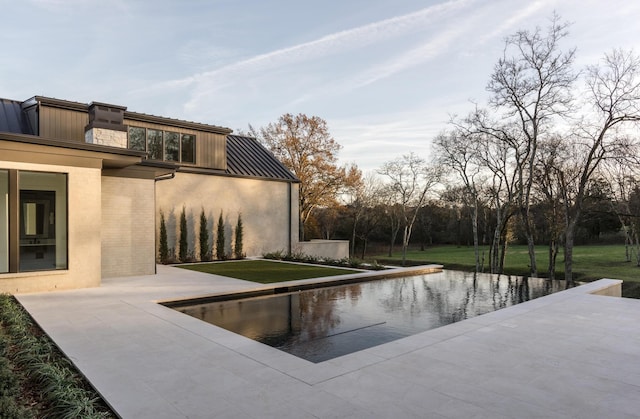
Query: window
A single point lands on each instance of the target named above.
(163, 145)
(188, 148)
(36, 237)
(137, 139)
(154, 144)
(171, 146)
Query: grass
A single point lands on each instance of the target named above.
(589, 262)
(267, 272)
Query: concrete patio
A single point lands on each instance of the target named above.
(568, 355)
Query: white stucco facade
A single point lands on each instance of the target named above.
(128, 225)
(83, 233)
(269, 210)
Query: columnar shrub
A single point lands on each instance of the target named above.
(237, 248)
(204, 238)
(164, 245)
(183, 251)
(220, 239)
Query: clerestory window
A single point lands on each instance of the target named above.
(163, 145)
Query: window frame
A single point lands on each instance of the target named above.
(15, 222)
(163, 144)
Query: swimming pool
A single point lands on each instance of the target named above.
(323, 323)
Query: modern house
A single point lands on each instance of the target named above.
(83, 187)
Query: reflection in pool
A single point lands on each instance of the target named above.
(324, 323)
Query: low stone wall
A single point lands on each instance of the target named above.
(332, 249)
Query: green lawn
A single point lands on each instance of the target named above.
(266, 272)
(589, 262)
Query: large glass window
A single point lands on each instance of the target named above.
(43, 221)
(4, 221)
(154, 144)
(188, 148)
(163, 145)
(171, 146)
(137, 138)
(33, 221)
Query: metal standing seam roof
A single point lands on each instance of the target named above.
(12, 118)
(247, 157)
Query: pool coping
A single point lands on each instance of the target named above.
(150, 361)
(303, 284)
(315, 373)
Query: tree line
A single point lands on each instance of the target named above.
(551, 155)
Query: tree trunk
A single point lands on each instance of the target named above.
(474, 226)
(553, 253)
(568, 255)
(531, 247)
(394, 234)
(353, 240)
(405, 243)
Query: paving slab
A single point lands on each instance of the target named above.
(568, 355)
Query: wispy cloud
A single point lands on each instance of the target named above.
(332, 44)
(512, 21)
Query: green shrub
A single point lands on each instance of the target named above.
(183, 250)
(237, 248)
(164, 245)
(203, 237)
(220, 239)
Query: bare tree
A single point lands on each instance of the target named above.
(614, 87)
(458, 151)
(531, 86)
(553, 152)
(364, 197)
(624, 180)
(496, 152)
(410, 178)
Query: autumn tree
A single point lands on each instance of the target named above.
(304, 145)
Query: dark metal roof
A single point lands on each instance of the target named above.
(12, 119)
(247, 157)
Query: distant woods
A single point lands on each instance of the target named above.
(550, 158)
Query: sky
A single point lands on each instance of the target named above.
(386, 75)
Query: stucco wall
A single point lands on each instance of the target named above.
(128, 227)
(264, 205)
(84, 213)
(331, 249)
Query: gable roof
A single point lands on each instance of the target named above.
(247, 157)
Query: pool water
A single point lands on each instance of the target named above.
(324, 323)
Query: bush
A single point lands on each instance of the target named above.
(164, 245)
(301, 257)
(205, 255)
(183, 250)
(239, 235)
(220, 239)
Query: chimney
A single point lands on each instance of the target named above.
(106, 125)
